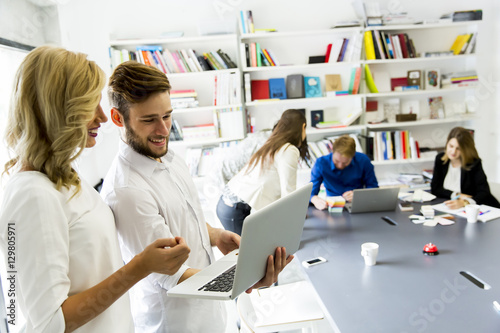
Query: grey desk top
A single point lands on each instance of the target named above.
(406, 291)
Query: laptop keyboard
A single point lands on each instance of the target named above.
(222, 283)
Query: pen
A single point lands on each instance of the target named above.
(481, 213)
(456, 197)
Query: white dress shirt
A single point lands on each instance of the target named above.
(154, 200)
(63, 246)
(452, 179)
(260, 186)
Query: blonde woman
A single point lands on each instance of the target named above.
(70, 275)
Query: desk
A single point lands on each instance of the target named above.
(406, 291)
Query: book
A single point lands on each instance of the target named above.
(258, 55)
(268, 56)
(277, 88)
(295, 86)
(398, 82)
(432, 79)
(316, 59)
(333, 82)
(336, 49)
(312, 86)
(253, 55)
(343, 50)
(369, 46)
(316, 117)
(436, 108)
(328, 51)
(414, 78)
(369, 80)
(260, 89)
(357, 80)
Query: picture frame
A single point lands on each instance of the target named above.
(432, 79)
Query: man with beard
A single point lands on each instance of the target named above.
(152, 196)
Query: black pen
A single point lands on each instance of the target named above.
(389, 220)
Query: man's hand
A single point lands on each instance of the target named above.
(274, 267)
(165, 255)
(319, 203)
(347, 196)
(226, 241)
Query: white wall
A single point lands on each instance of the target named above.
(87, 26)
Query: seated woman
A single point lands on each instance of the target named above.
(458, 173)
(70, 273)
(270, 174)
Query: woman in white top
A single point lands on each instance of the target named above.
(270, 174)
(55, 230)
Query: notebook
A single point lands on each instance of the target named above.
(278, 224)
(373, 200)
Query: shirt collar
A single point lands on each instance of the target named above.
(143, 164)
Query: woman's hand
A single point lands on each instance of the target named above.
(164, 256)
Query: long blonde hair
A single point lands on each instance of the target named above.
(56, 93)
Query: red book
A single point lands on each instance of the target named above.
(404, 49)
(398, 82)
(418, 149)
(260, 89)
(403, 145)
(328, 50)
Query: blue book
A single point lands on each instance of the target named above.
(312, 86)
(151, 48)
(277, 88)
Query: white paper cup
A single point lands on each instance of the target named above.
(369, 251)
(472, 212)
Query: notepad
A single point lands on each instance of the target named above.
(486, 213)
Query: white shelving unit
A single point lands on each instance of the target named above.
(292, 49)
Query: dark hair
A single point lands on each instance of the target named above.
(287, 130)
(468, 152)
(344, 145)
(133, 83)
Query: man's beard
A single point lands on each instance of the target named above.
(134, 141)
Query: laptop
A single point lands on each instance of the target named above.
(373, 200)
(278, 224)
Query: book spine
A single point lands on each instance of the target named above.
(178, 62)
(328, 50)
(219, 60)
(369, 49)
(268, 57)
(253, 54)
(273, 57)
(258, 54)
(170, 59)
(192, 56)
(404, 50)
(243, 22)
(357, 81)
(145, 57)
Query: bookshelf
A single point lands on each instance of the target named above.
(203, 83)
(293, 48)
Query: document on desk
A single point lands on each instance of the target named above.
(486, 213)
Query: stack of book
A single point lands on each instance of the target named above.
(325, 146)
(246, 22)
(464, 44)
(392, 145)
(459, 79)
(182, 99)
(382, 45)
(335, 204)
(344, 49)
(256, 56)
(227, 89)
(199, 132)
(175, 61)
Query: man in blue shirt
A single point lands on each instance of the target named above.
(341, 171)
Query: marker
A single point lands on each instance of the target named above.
(496, 306)
(484, 212)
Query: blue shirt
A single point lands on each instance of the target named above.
(358, 174)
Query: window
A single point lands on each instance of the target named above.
(10, 59)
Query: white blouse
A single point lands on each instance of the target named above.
(452, 179)
(63, 246)
(260, 187)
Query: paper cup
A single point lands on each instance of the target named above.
(369, 251)
(472, 212)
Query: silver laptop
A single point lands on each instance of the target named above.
(373, 200)
(278, 224)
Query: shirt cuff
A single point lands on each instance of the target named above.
(171, 281)
(470, 201)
